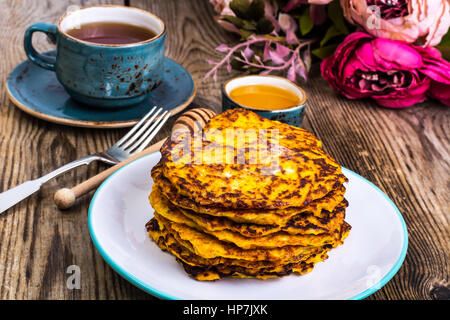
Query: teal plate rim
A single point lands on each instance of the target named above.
(155, 292)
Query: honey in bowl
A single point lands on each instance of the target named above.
(264, 97)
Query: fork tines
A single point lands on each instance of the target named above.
(144, 131)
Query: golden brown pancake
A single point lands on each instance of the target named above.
(216, 268)
(219, 272)
(304, 172)
(167, 242)
(319, 208)
(209, 247)
(274, 240)
(299, 224)
(263, 202)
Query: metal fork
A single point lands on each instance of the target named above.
(133, 142)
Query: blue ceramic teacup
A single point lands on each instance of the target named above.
(103, 75)
(292, 116)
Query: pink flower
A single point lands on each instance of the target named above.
(222, 7)
(438, 70)
(441, 92)
(423, 22)
(227, 25)
(393, 73)
(289, 26)
(271, 11)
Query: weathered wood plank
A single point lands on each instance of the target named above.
(404, 152)
(37, 242)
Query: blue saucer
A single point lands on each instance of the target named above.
(37, 92)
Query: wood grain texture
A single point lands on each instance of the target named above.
(405, 152)
(37, 241)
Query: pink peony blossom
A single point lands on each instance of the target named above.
(438, 70)
(423, 22)
(393, 73)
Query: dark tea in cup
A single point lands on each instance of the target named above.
(104, 32)
(107, 56)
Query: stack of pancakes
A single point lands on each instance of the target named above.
(263, 204)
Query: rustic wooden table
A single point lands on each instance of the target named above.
(404, 152)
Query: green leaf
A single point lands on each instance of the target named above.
(264, 26)
(245, 34)
(331, 33)
(445, 51)
(305, 22)
(445, 42)
(241, 8)
(256, 11)
(234, 20)
(249, 25)
(337, 16)
(324, 52)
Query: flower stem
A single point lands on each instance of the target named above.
(237, 47)
(295, 53)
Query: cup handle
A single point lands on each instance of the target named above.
(41, 60)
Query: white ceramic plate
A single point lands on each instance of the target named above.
(369, 258)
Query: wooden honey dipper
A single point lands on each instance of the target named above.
(191, 120)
